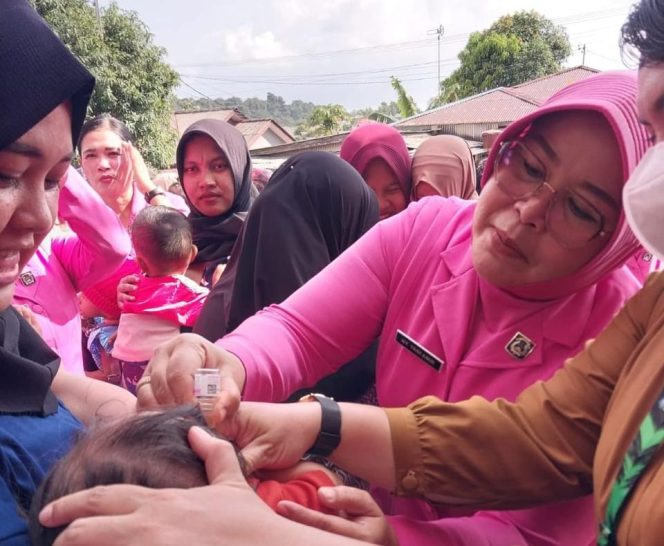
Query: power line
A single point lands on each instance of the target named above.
(194, 89)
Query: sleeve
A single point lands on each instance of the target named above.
(327, 322)
(100, 243)
(498, 455)
(302, 490)
(13, 530)
(177, 202)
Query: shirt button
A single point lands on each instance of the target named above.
(410, 482)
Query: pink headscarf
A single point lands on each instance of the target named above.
(447, 165)
(377, 140)
(612, 94)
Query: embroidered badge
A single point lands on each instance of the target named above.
(520, 346)
(647, 257)
(27, 278)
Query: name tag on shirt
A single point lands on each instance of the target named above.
(420, 351)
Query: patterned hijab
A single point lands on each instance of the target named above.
(215, 235)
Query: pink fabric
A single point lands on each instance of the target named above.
(64, 265)
(413, 272)
(174, 298)
(138, 203)
(446, 164)
(104, 293)
(613, 94)
(377, 140)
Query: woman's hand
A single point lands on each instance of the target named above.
(169, 377)
(360, 517)
(271, 436)
(29, 317)
(124, 178)
(142, 178)
(125, 288)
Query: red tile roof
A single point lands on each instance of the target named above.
(542, 88)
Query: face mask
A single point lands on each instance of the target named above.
(643, 201)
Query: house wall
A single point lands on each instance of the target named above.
(267, 139)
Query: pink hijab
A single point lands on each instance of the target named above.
(612, 94)
(377, 140)
(446, 164)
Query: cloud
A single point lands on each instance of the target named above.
(243, 44)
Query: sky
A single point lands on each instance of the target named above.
(344, 51)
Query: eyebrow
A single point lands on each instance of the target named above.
(601, 194)
(107, 148)
(30, 151)
(546, 147)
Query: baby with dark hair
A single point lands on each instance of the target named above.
(152, 450)
(165, 301)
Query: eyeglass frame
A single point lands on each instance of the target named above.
(505, 145)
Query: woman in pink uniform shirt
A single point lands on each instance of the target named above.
(66, 264)
(467, 298)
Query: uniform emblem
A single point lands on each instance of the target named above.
(520, 346)
(647, 257)
(27, 278)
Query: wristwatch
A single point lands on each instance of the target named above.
(330, 425)
(150, 195)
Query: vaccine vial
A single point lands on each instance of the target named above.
(207, 386)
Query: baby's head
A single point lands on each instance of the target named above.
(149, 449)
(163, 241)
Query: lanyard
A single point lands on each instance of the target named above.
(638, 456)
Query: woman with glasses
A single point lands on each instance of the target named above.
(467, 298)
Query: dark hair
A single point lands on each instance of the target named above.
(163, 236)
(644, 31)
(149, 449)
(104, 121)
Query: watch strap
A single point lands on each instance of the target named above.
(330, 426)
(150, 195)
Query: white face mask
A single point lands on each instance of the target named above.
(643, 201)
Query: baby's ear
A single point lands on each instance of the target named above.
(194, 253)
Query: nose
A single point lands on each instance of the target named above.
(36, 211)
(533, 209)
(208, 179)
(104, 164)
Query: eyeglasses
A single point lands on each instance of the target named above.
(570, 218)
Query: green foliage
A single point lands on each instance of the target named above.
(134, 83)
(325, 120)
(405, 102)
(288, 115)
(515, 49)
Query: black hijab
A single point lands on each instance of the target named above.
(38, 73)
(315, 206)
(215, 235)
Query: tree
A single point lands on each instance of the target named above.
(515, 49)
(405, 102)
(325, 120)
(134, 83)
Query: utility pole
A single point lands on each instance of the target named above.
(439, 32)
(96, 2)
(583, 49)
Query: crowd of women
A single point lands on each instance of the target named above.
(502, 351)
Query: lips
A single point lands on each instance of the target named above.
(506, 246)
(9, 266)
(106, 179)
